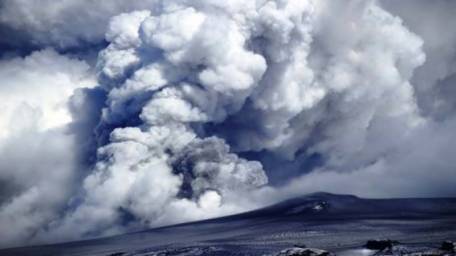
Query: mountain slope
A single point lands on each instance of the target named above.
(321, 220)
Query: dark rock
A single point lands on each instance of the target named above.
(413, 250)
(117, 254)
(304, 252)
(380, 244)
(448, 246)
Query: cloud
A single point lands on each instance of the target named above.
(36, 151)
(63, 24)
(434, 80)
(420, 167)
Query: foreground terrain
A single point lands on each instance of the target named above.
(338, 223)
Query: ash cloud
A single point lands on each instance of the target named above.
(205, 108)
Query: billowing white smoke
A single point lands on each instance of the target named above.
(173, 73)
(281, 68)
(193, 86)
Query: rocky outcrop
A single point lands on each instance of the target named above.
(383, 247)
(297, 251)
(393, 248)
(448, 246)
